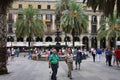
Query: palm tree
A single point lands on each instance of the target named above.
(74, 19)
(29, 25)
(110, 28)
(60, 7)
(107, 6)
(4, 4)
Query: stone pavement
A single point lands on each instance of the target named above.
(23, 69)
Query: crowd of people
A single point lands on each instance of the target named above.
(70, 55)
(112, 55)
(11, 52)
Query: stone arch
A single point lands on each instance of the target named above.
(103, 43)
(94, 42)
(76, 39)
(67, 38)
(118, 39)
(20, 39)
(10, 39)
(85, 41)
(112, 42)
(37, 39)
(58, 39)
(48, 39)
(29, 39)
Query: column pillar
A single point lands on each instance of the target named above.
(89, 31)
(89, 25)
(90, 41)
(98, 22)
(15, 17)
(44, 18)
(98, 26)
(53, 22)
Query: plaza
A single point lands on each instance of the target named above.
(41, 25)
(24, 69)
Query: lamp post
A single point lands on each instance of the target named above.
(58, 33)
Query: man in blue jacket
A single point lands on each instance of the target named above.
(99, 52)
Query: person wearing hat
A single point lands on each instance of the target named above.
(54, 64)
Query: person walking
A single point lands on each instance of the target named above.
(117, 55)
(93, 54)
(69, 61)
(106, 56)
(78, 58)
(12, 54)
(54, 64)
(99, 52)
(109, 57)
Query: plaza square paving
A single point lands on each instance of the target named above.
(24, 69)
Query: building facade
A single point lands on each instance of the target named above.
(47, 14)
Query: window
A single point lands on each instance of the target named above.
(94, 19)
(94, 29)
(40, 16)
(10, 28)
(20, 15)
(39, 6)
(10, 16)
(29, 5)
(20, 5)
(48, 6)
(48, 16)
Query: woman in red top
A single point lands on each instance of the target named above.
(117, 55)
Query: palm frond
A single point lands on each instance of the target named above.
(29, 24)
(74, 19)
(107, 6)
(4, 5)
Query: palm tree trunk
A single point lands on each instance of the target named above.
(3, 43)
(115, 45)
(29, 43)
(73, 35)
(65, 39)
(73, 40)
(108, 46)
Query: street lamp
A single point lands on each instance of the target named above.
(58, 39)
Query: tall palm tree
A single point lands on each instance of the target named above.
(4, 5)
(107, 6)
(74, 19)
(60, 7)
(110, 28)
(29, 25)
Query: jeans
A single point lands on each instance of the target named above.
(54, 71)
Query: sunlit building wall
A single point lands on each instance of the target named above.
(47, 14)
